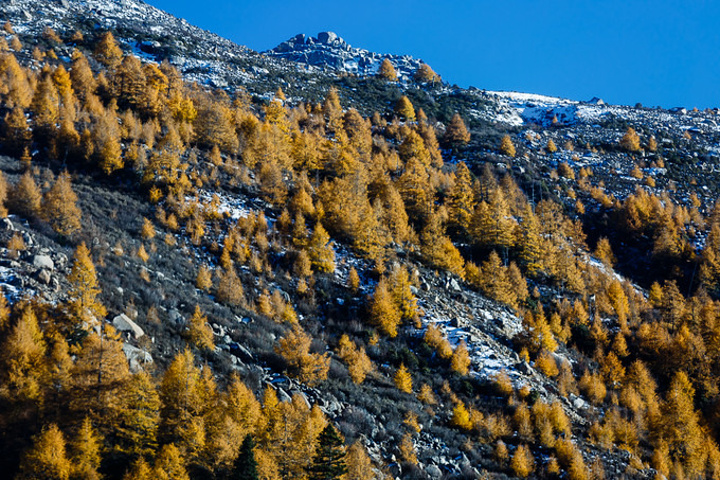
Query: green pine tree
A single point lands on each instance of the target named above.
(329, 462)
(245, 467)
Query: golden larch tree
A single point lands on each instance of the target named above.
(456, 133)
(199, 332)
(46, 459)
(60, 206)
(84, 288)
(404, 109)
(387, 71)
(403, 379)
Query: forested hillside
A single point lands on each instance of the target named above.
(373, 282)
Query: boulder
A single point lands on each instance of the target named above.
(434, 471)
(123, 324)
(44, 276)
(43, 261)
(6, 224)
(136, 357)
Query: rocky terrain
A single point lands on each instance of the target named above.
(682, 169)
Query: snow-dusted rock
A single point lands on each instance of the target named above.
(43, 261)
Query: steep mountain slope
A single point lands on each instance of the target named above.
(318, 250)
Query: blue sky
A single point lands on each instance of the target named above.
(653, 52)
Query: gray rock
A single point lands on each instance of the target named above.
(124, 324)
(283, 396)
(6, 224)
(43, 261)
(137, 358)
(434, 471)
(44, 276)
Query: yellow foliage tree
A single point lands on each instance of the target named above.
(84, 288)
(384, 313)
(507, 147)
(310, 368)
(630, 141)
(405, 110)
(60, 206)
(359, 364)
(387, 71)
(523, 462)
(460, 361)
(403, 379)
(199, 332)
(46, 459)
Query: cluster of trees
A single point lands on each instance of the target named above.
(381, 186)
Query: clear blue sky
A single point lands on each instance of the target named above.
(655, 52)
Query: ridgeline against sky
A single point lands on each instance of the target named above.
(656, 53)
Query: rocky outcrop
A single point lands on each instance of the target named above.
(123, 324)
(328, 50)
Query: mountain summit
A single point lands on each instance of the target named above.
(330, 51)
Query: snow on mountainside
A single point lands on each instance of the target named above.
(328, 50)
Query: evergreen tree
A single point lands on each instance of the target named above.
(245, 466)
(329, 461)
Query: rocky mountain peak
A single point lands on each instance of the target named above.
(330, 51)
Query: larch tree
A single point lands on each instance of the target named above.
(404, 109)
(138, 421)
(320, 250)
(425, 74)
(461, 199)
(199, 332)
(26, 198)
(15, 132)
(359, 364)
(47, 458)
(384, 312)
(60, 206)
(402, 294)
(387, 71)
(359, 465)
(522, 462)
(99, 377)
(456, 133)
(184, 397)
(460, 361)
(403, 379)
(107, 51)
(85, 452)
(310, 368)
(507, 147)
(84, 288)
(24, 368)
(630, 141)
